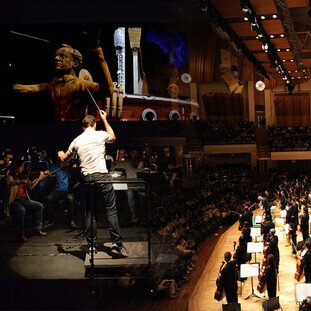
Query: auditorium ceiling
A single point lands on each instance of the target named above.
(276, 32)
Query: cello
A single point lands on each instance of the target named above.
(299, 267)
(262, 286)
(219, 293)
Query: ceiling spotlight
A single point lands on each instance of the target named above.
(289, 71)
(260, 86)
(274, 16)
(262, 17)
(287, 50)
(299, 77)
(279, 50)
(291, 60)
(284, 60)
(281, 35)
(265, 46)
(254, 26)
(271, 36)
(296, 70)
(290, 87)
(246, 18)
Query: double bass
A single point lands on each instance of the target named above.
(219, 293)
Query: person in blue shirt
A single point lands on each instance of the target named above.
(60, 191)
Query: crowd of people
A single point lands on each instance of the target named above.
(289, 138)
(180, 219)
(227, 132)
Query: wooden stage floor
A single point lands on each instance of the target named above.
(202, 298)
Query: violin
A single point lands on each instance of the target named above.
(219, 293)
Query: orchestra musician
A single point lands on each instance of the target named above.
(273, 241)
(266, 225)
(270, 276)
(241, 255)
(265, 204)
(306, 261)
(293, 236)
(246, 232)
(246, 216)
(228, 279)
(19, 202)
(304, 223)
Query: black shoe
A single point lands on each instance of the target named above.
(120, 250)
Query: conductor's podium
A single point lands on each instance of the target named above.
(136, 237)
(105, 258)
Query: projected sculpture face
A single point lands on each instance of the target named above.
(68, 90)
(63, 60)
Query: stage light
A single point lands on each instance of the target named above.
(265, 46)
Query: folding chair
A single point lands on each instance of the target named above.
(271, 304)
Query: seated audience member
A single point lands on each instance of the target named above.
(19, 202)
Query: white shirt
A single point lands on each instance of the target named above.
(91, 149)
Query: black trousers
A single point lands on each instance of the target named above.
(98, 188)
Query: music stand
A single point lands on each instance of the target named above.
(283, 214)
(255, 233)
(302, 291)
(254, 247)
(250, 270)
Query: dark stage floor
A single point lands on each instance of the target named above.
(53, 272)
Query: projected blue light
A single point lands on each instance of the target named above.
(172, 43)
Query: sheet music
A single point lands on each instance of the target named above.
(255, 232)
(120, 186)
(302, 291)
(254, 247)
(249, 270)
(283, 213)
(258, 219)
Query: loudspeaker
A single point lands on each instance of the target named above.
(225, 57)
(231, 81)
(239, 89)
